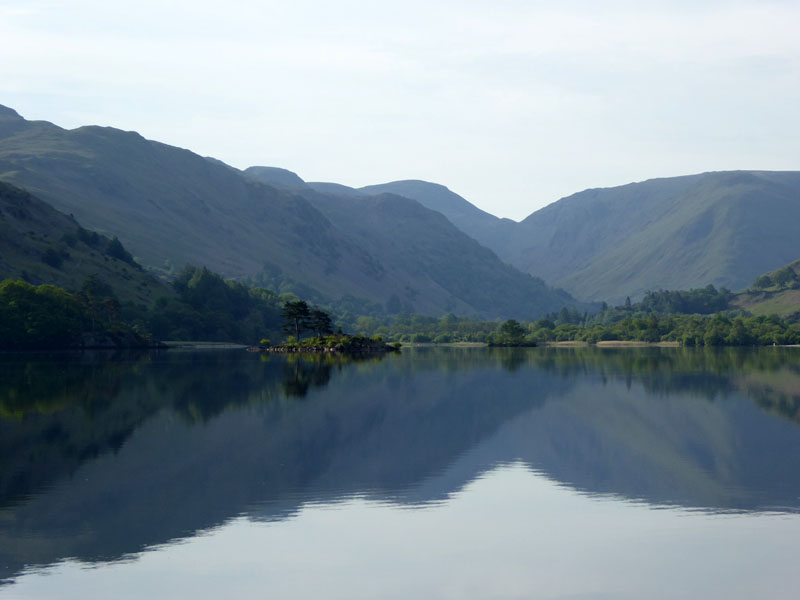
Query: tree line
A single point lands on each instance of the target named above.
(690, 330)
(207, 307)
(47, 316)
(204, 307)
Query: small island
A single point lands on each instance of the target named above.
(352, 345)
(299, 318)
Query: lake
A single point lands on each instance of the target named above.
(437, 473)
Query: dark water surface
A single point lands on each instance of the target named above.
(439, 473)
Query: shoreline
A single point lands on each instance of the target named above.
(178, 345)
(581, 344)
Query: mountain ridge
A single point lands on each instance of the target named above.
(719, 227)
(171, 206)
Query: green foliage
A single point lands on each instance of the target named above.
(319, 322)
(763, 282)
(299, 317)
(95, 287)
(90, 238)
(296, 317)
(637, 325)
(207, 307)
(115, 249)
(510, 333)
(785, 277)
(690, 330)
(38, 316)
(29, 229)
(777, 292)
(46, 316)
(339, 343)
(702, 301)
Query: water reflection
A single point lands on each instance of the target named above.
(103, 457)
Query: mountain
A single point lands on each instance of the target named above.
(724, 228)
(400, 231)
(396, 226)
(42, 245)
(721, 228)
(476, 223)
(170, 207)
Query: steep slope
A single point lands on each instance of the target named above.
(398, 229)
(480, 225)
(723, 228)
(41, 245)
(165, 202)
(674, 233)
(170, 206)
(471, 279)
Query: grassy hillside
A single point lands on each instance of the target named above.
(722, 228)
(774, 296)
(165, 203)
(170, 207)
(41, 245)
(674, 233)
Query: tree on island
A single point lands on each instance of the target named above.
(295, 317)
(320, 322)
(512, 332)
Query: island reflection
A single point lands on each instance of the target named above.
(102, 457)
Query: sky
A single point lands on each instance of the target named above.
(512, 104)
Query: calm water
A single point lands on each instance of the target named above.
(440, 473)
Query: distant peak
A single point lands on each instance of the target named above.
(410, 183)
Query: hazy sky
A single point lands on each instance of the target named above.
(512, 104)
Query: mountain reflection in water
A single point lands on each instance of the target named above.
(104, 456)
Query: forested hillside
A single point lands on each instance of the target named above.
(42, 245)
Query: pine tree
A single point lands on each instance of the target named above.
(320, 322)
(296, 316)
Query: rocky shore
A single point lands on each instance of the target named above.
(353, 346)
